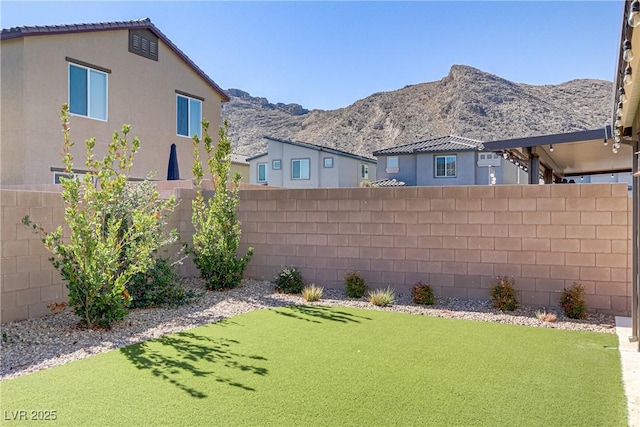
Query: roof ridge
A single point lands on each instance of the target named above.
(141, 23)
(321, 147)
(468, 139)
(145, 20)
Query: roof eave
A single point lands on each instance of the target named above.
(321, 148)
(145, 23)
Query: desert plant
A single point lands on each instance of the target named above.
(312, 293)
(158, 286)
(382, 297)
(546, 316)
(216, 239)
(423, 294)
(105, 248)
(573, 303)
(290, 281)
(503, 294)
(355, 286)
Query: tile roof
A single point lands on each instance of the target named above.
(388, 183)
(144, 23)
(321, 148)
(238, 159)
(257, 156)
(445, 143)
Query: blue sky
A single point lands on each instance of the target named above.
(330, 54)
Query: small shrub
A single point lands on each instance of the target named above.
(545, 316)
(355, 286)
(382, 297)
(503, 294)
(312, 293)
(290, 281)
(572, 302)
(423, 294)
(158, 286)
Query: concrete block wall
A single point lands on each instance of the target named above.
(29, 281)
(455, 238)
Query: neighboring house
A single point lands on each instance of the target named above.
(449, 160)
(294, 164)
(240, 165)
(110, 74)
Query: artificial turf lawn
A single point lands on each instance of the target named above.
(324, 366)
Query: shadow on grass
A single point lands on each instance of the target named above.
(317, 314)
(170, 357)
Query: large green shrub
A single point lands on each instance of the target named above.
(216, 239)
(105, 247)
(354, 285)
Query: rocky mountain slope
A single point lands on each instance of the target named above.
(467, 102)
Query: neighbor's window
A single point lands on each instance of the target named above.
(300, 169)
(262, 172)
(445, 166)
(87, 92)
(276, 165)
(364, 171)
(392, 165)
(328, 162)
(189, 116)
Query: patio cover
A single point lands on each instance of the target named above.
(585, 153)
(574, 153)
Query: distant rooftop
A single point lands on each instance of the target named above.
(445, 143)
(238, 159)
(144, 23)
(318, 148)
(388, 183)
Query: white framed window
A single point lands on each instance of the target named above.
(393, 165)
(276, 165)
(262, 172)
(328, 162)
(364, 171)
(58, 175)
(300, 169)
(87, 92)
(445, 166)
(188, 116)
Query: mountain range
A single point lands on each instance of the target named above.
(467, 102)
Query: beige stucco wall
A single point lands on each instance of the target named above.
(141, 92)
(242, 169)
(344, 173)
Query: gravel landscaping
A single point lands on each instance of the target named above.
(41, 343)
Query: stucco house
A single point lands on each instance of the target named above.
(449, 160)
(295, 164)
(110, 73)
(240, 165)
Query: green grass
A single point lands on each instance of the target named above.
(307, 365)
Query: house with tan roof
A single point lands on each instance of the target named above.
(448, 160)
(110, 74)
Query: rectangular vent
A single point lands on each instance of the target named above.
(144, 43)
